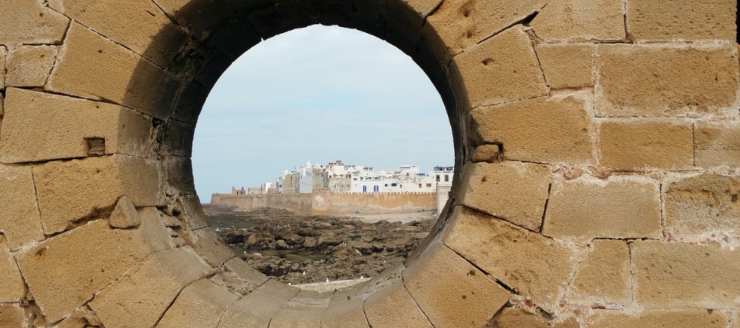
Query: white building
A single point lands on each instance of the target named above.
(339, 177)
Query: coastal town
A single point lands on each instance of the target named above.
(338, 177)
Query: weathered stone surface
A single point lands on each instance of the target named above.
(639, 145)
(133, 23)
(29, 66)
(682, 20)
(655, 81)
(515, 192)
(124, 215)
(659, 319)
(178, 139)
(65, 271)
(567, 66)
(82, 317)
(516, 318)
(70, 191)
(12, 315)
(423, 7)
(148, 291)
(501, 69)
(451, 291)
(12, 289)
(685, 275)
(305, 310)
(93, 67)
(538, 130)
(154, 231)
(490, 153)
(703, 205)
(536, 266)
(208, 245)
(717, 144)
(28, 21)
(64, 126)
(345, 310)
(3, 54)
(258, 308)
(603, 277)
(20, 221)
(601, 20)
(618, 208)
(392, 306)
(463, 24)
(567, 323)
(200, 305)
(247, 278)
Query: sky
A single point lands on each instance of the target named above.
(317, 94)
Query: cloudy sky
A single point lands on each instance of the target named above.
(317, 94)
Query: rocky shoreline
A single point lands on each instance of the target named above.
(300, 249)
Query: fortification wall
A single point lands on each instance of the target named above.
(339, 204)
(597, 153)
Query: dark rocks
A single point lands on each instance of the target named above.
(305, 249)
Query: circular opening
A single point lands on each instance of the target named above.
(325, 156)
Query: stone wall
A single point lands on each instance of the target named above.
(597, 150)
(333, 204)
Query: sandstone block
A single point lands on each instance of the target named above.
(305, 310)
(178, 139)
(604, 277)
(535, 266)
(490, 153)
(141, 298)
(200, 305)
(3, 54)
(12, 315)
(539, 130)
(463, 24)
(29, 22)
(91, 66)
(703, 205)
(12, 288)
(346, 309)
(451, 291)
(124, 215)
(717, 144)
(211, 247)
(258, 308)
(138, 24)
(659, 81)
(682, 20)
(567, 65)
(20, 221)
(659, 319)
(501, 69)
(639, 145)
(685, 275)
(246, 279)
(618, 208)
(581, 20)
(82, 317)
(350, 316)
(392, 307)
(68, 128)
(70, 191)
(66, 271)
(29, 66)
(153, 230)
(516, 318)
(423, 7)
(515, 192)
